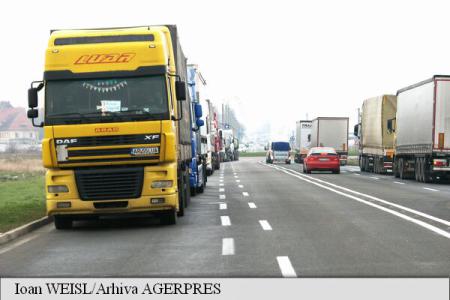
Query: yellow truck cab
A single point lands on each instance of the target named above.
(116, 124)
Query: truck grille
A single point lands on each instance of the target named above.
(111, 140)
(109, 183)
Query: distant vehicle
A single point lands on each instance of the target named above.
(422, 130)
(278, 152)
(376, 142)
(331, 132)
(302, 140)
(322, 159)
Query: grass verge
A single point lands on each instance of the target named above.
(252, 154)
(22, 200)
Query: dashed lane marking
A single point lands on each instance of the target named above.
(245, 194)
(265, 225)
(225, 220)
(228, 246)
(252, 205)
(430, 189)
(221, 190)
(222, 206)
(222, 197)
(241, 186)
(286, 267)
(398, 182)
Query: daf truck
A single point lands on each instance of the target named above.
(213, 139)
(422, 130)
(117, 125)
(331, 132)
(376, 142)
(302, 139)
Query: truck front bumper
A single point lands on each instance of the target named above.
(85, 207)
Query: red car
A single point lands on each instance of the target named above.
(322, 159)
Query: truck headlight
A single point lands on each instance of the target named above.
(161, 184)
(57, 189)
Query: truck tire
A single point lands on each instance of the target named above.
(181, 194)
(201, 189)
(168, 217)
(401, 169)
(417, 169)
(63, 222)
(188, 188)
(427, 176)
(193, 191)
(395, 168)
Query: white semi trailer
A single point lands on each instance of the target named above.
(331, 132)
(422, 130)
(302, 139)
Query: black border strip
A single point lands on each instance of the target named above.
(141, 71)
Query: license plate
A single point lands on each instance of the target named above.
(324, 159)
(147, 151)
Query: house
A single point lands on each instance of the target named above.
(15, 128)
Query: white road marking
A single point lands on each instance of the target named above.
(221, 180)
(357, 174)
(252, 205)
(241, 186)
(373, 177)
(221, 190)
(222, 206)
(245, 194)
(430, 189)
(236, 176)
(393, 212)
(17, 244)
(225, 220)
(222, 197)
(228, 246)
(237, 180)
(286, 267)
(265, 225)
(220, 184)
(398, 182)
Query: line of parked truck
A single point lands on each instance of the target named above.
(124, 125)
(407, 133)
(404, 134)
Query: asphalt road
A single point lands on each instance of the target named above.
(259, 220)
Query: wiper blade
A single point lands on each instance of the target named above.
(65, 115)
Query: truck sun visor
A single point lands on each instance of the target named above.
(104, 39)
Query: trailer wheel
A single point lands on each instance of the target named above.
(427, 177)
(181, 194)
(395, 168)
(401, 170)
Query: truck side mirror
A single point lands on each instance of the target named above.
(199, 122)
(309, 138)
(356, 130)
(180, 90)
(32, 97)
(198, 110)
(32, 113)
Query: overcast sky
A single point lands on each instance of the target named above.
(275, 61)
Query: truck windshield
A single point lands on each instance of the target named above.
(281, 146)
(106, 100)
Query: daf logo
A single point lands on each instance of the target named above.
(151, 137)
(66, 141)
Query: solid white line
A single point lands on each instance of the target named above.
(221, 190)
(241, 186)
(265, 225)
(252, 205)
(228, 246)
(393, 212)
(398, 182)
(445, 222)
(222, 197)
(286, 267)
(222, 206)
(376, 178)
(225, 220)
(430, 189)
(237, 180)
(220, 184)
(245, 194)
(17, 244)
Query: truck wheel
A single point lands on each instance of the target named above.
(395, 168)
(193, 191)
(417, 169)
(63, 222)
(400, 169)
(188, 187)
(168, 217)
(201, 189)
(427, 177)
(181, 195)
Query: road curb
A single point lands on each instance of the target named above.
(24, 229)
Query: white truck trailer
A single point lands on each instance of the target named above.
(331, 132)
(302, 139)
(376, 142)
(422, 130)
